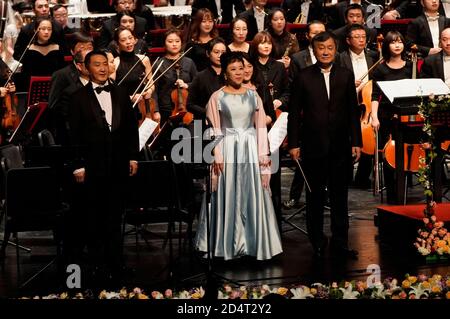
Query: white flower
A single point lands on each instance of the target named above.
(423, 251)
(184, 295)
(349, 293)
(221, 295)
(419, 291)
(378, 292)
(301, 293)
(112, 295)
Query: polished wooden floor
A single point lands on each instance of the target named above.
(296, 265)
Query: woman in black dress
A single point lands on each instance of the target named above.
(394, 67)
(131, 68)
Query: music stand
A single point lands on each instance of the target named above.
(27, 124)
(39, 89)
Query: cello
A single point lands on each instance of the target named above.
(179, 98)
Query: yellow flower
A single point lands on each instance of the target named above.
(447, 295)
(412, 279)
(282, 291)
(196, 295)
(441, 243)
(142, 296)
(447, 283)
(437, 277)
(436, 289)
(426, 285)
(314, 291)
(406, 284)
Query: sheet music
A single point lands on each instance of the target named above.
(413, 88)
(278, 132)
(145, 131)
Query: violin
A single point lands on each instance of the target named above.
(11, 117)
(179, 99)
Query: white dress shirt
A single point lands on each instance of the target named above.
(433, 23)
(305, 11)
(326, 76)
(219, 11)
(84, 81)
(359, 64)
(446, 65)
(446, 5)
(259, 16)
(104, 99)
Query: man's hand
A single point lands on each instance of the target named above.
(356, 153)
(157, 117)
(276, 104)
(295, 153)
(391, 15)
(434, 51)
(79, 175)
(133, 168)
(3, 91)
(218, 167)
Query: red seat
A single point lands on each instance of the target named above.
(400, 25)
(156, 52)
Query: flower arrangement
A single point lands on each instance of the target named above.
(411, 287)
(433, 239)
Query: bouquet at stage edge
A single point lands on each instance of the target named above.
(433, 238)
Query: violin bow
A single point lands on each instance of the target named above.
(151, 79)
(131, 69)
(162, 73)
(21, 57)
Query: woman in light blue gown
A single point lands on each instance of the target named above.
(242, 217)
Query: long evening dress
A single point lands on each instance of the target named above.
(242, 216)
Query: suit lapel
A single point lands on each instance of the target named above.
(307, 58)
(369, 60)
(347, 60)
(440, 66)
(427, 28)
(95, 105)
(115, 108)
(441, 22)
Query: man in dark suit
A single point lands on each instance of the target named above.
(110, 25)
(424, 31)
(41, 9)
(293, 9)
(329, 133)
(226, 8)
(103, 126)
(257, 18)
(438, 65)
(354, 15)
(65, 82)
(359, 60)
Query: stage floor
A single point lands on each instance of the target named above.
(294, 265)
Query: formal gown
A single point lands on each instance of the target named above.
(242, 217)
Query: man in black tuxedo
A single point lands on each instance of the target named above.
(354, 15)
(41, 9)
(103, 126)
(110, 25)
(424, 31)
(257, 18)
(225, 15)
(65, 82)
(438, 65)
(328, 133)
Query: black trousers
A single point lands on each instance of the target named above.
(105, 204)
(320, 172)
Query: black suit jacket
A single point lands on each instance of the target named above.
(340, 9)
(64, 83)
(103, 152)
(346, 61)
(27, 32)
(251, 23)
(419, 33)
(433, 67)
(226, 6)
(329, 127)
(299, 61)
(110, 25)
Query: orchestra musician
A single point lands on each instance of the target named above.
(239, 32)
(41, 10)
(207, 81)
(222, 9)
(424, 31)
(103, 127)
(325, 95)
(66, 81)
(284, 43)
(202, 30)
(394, 67)
(257, 18)
(300, 11)
(359, 60)
(438, 65)
(168, 82)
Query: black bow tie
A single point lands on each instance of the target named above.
(106, 88)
